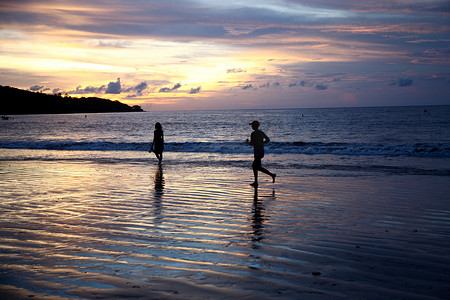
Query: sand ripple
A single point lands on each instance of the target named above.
(105, 230)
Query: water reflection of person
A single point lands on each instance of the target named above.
(159, 192)
(257, 220)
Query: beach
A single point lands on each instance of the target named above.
(88, 213)
(111, 229)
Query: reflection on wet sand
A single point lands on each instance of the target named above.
(258, 218)
(158, 193)
(123, 230)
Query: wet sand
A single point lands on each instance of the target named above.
(106, 229)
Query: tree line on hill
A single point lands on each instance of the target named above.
(16, 102)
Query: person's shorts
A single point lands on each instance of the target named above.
(259, 155)
(257, 162)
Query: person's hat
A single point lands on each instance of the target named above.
(256, 123)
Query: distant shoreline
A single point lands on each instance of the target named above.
(21, 102)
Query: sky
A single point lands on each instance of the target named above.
(232, 54)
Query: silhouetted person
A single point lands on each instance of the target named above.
(257, 140)
(157, 146)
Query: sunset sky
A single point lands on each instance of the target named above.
(232, 54)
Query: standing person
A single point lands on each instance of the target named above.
(157, 146)
(257, 140)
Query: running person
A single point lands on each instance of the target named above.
(257, 140)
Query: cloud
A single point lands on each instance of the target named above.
(195, 91)
(374, 42)
(305, 83)
(168, 90)
(93, 90)
(138, 89)
(114, 87)
(35, 88)
(236, 70)
(269, 84)
(86, 90)
(321, 87)
(405, 82)
(141, 86)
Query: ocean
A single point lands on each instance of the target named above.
(360, 207)
(412, 140)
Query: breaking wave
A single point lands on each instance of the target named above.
(309, 148)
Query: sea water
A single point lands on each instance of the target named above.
(410, 140)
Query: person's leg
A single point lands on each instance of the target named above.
(158, 156)
(268, 173)
(256, 166)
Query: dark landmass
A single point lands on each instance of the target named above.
(15, 101)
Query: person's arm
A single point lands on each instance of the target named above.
(250, 142)
(265, 138)
(153, 142)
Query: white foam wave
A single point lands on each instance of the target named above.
(421, 150)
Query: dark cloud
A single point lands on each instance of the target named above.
(114, 87)
(138, 89)
(269, 84)
(302, 83)
(35, 88)
(167, 90)
(405, 82)
(141, 86)
(94, 90)
(432, 56)
(236, 70)
(195, 91)
(321, 87)
(87, 90)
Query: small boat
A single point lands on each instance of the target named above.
(5, 118)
